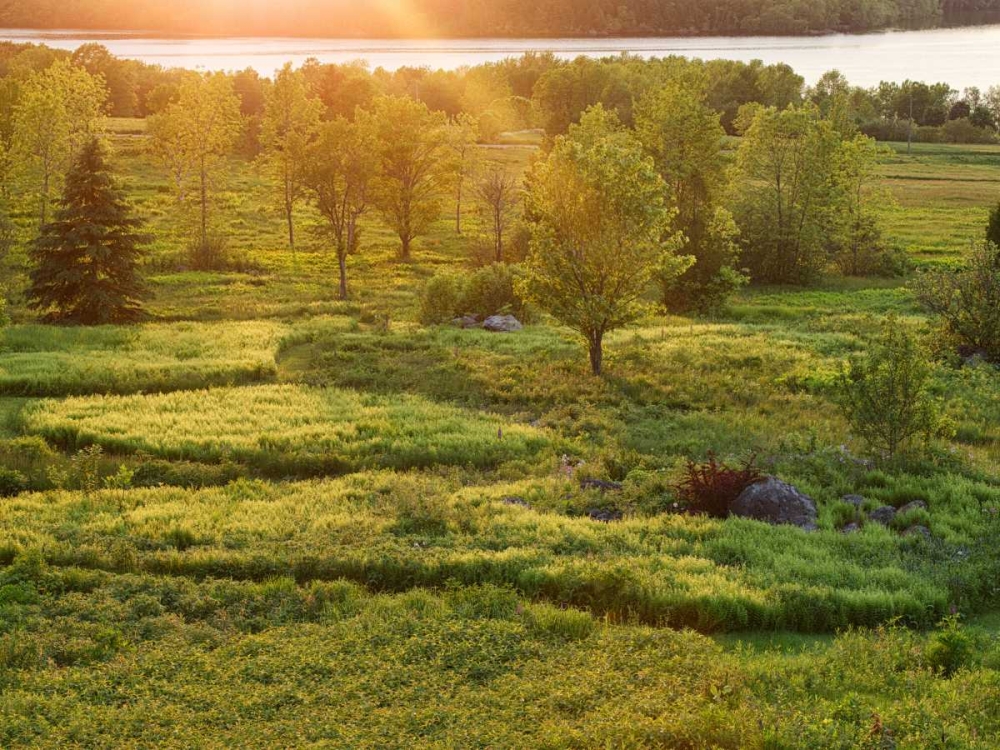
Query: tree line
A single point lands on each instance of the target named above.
(629, 197)
(430, 18)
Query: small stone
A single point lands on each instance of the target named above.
(884, 515)
(466, 321)
(604, 516)
(910, 507)
(851, 528)
(502, 324)
(918, 530)
(600, 484)
(856, 500)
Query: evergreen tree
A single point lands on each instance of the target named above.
(86, 257)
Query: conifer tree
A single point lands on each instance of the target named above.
(86, 258)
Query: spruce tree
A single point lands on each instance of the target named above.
(86, 258)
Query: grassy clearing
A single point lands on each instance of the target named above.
(40, 360)
(287, 430)
(90, 659)
(392, 533)
(408, 601)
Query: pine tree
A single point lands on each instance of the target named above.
(86, 258)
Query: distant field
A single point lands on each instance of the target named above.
(944, 193)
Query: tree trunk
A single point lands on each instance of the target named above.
(458, 210)
(404, 251)
(204, 204)
(342, 263)
(596, 353)
(288, 214)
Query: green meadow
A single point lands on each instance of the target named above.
(269, 518)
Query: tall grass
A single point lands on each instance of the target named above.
(288, 429)
(48, 361)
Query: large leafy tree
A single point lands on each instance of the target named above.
(291, 121)
(86, 258)
(343, 165)
(192, 134)
(414, 166)
(57, 111)
(785, 191)
(601, 230)
(684, 136)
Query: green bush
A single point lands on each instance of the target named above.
(951, 648)
(442, 299)
(968, 301)
(12, 482)
(492, 291)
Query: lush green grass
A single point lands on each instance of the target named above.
(406, 604)
(287, 429)
(91, 660)
(392, 533)
(943, 194)
(38, 360)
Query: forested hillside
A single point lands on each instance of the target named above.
(487, 17)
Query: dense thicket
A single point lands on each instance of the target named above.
(485, 17)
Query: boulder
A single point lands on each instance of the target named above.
(775, 502)
(466, 321)
(910, 507)
(604, 515)
(502, 324)
(601, 484)
(918, 530)
(884, 515)
(856, 500)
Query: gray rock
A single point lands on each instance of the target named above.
(910, 507)
(515, 500)
(600, 484)
(775, 502)
(502, 324)
(884, 515)
(856, 500)
(605, 516)
(918, 530)
(851, 528)
(466, 321)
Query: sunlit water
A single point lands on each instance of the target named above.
(958, 56)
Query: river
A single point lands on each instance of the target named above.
(966, 56)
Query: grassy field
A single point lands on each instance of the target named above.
(269, 518)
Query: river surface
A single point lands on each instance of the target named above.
(967, 56)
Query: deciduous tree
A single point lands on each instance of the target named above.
(291, 121)
(413, 174)
(192, 134)
(58, 110)
(601, 230)
(343, 165)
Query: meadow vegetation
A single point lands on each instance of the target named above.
(287, 510)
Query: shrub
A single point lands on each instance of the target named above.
(993, 227)
(884, 394)
(492, 291)
(442, 299)
(968, 301)
(12, 482)
(951, 647)
(710, 488)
